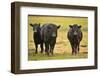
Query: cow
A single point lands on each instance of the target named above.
(75, 36)
(49, 35)
(37, 36)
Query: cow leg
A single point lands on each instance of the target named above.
(41, 45)
(47, 48)
(78, 47)
(72, 46)
(36, 46)
(51, 49)
(75, 51)
(52, 45)
(72, 49)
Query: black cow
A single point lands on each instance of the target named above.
(49, 35)
(75, 36)
(37, 36)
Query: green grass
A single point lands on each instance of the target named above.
(56, 56)
(62, 48)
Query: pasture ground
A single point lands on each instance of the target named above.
(62, 48)
(56, 56)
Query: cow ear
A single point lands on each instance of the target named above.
(31, 25)
(58, 26)
(70, 26)
(79, 26)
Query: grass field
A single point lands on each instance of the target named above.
(62, 48)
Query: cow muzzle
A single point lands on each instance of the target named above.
(75, 33)
(54, 35)
(35, 30)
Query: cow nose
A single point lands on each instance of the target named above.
(75, 33)
(54, 35)
(35, 30)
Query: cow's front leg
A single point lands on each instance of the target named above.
(36, 46)
(41, 45)
(47, 48)
(72, 46)
(52, 48)
(78, 47)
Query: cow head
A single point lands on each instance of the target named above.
(52, 30)
(54, 34)
(36, 27)
(75, 29)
